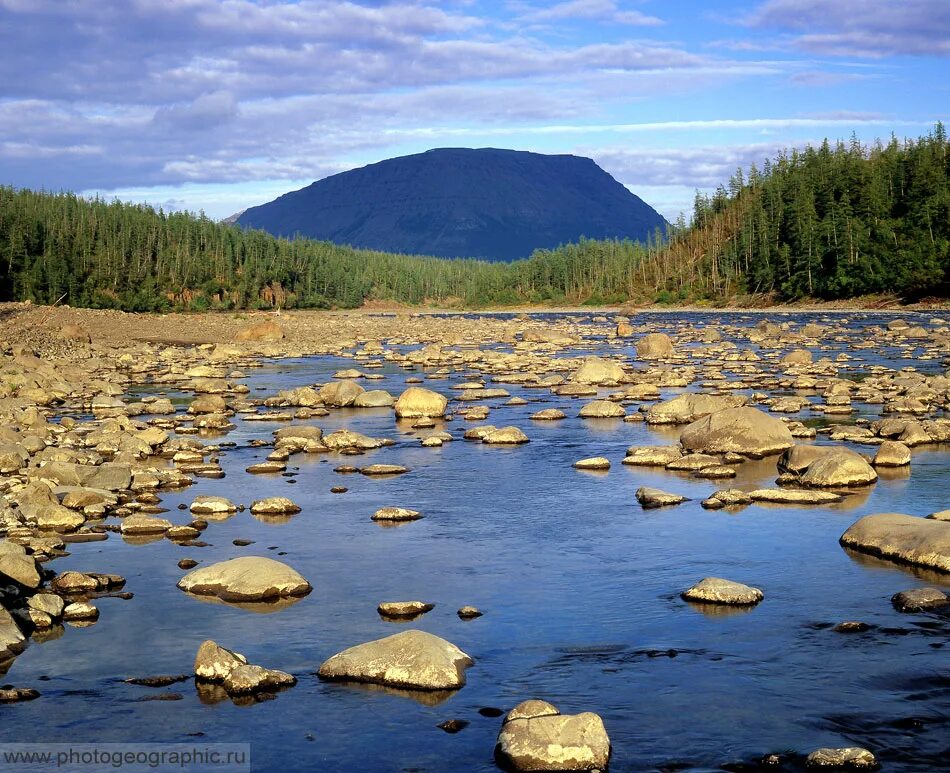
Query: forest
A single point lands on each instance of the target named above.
(827, 222)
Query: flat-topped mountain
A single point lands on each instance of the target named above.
(460, 202)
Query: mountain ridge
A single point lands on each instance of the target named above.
(489, 203)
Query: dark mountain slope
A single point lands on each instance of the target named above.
(457, 202)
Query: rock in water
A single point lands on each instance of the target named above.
(919, 598)
(654, 346)
(850, 758)
(250, 578)
(246, 679)
(415, 660)
(597, 370)
(715, 590)
(17, 565)
(12, 640)
(213, 662)
(419, 403)
(537, 737)
(654, 497)
(902, 538)
(746, 431)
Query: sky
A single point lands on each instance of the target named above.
(217, 105)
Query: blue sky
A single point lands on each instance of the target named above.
(222, 104)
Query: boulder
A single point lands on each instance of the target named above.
(548, 414)
(786, 496)
(650, 498)
(505, 436)
(839, 467)
(275, 506)
(419, 403)
(652, 456)
(413, 660)
(340, 394)
(12, 640)
(266, 330)
(715, 590)
(396, 514)
(535, 736)
(798, 357)
(687, 408)
(849, 758)
(249, 578)
(213, 662)
(902, 538)
(374, 398)
(746, 431)
(593, 463)
(247, 679)
(404, 608)
(654, 346)
(140, 523)
(207, 505)
(597, 370)
(17, 565)
(602, 409)
(919, 598)
(892, 453)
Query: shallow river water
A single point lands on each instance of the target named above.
(579, 586)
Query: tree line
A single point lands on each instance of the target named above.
(824, 222)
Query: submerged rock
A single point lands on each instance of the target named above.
(535, 736)
(250, 578)
(412, 659)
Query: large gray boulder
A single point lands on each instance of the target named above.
(537, 737)
(746, 431)
(249, 578)
(414, 660)
(902, 538)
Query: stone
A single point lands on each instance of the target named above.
(374, 398)
(786, 496)
(419, 403)
(213, 662)
(340, 394)
(404, 608)
(602, 409)
(275, 506)
(902, 538)
(249, 578)
(49, 603)
(266, 330)
(593, 463)
(344, 438)
(75, 332)
(383, 469)
(12, 640)
(80, 610)
(396, 514)
(797, 357)
(849, 758)
(74, 582)
(469, 612)
(715, 590)
(940, 515)
(505, 436)
(208, 505)
(687, 408)
(412, 659)
(839, 467)
(17, 565)
(654, 346)
(535, 736)
(650, 498)
(746, 431)
(597, 370)
(139, 523)
(548, 414)
(892, 453)
(247, 679)
(652, 456)
(919, 598)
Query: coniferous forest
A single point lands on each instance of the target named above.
(828, 222)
